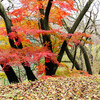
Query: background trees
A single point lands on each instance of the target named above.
(89, 24)
(33, 20)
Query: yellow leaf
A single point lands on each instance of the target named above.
(3, 75)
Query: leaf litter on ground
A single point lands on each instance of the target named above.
(54, 88)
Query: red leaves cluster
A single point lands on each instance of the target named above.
(48, 54)
(15, 57)
(77, 38)
(40, 70)
(3, 31)
(71, 38)
(22, 29)
(12, 35)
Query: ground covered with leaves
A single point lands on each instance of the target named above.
(56, 88)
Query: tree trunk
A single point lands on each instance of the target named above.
(97, 52)
(29, 72)
(70, 31)
(81, 60)
(10, 74)
(71, 59)
(81, 15)
(50, 66)
(74, 27)
(8, 24)
(87, 62)
(99, 71)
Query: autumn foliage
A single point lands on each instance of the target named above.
(25, 22)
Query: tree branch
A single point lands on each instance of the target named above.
(75, 25)
(81, 15)
(48, 8)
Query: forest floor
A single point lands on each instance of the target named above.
(54, 88)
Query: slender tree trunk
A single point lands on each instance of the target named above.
(81, 15)
(74, 57)
(74, 27)
(50, 66)
(81, 60)
(97, 52)
(10, 74)
(29, 72)
(71, 58)
(87, 62)
(46, 27)
(99, 71)
(8, 24)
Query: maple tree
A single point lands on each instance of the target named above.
(33, 20)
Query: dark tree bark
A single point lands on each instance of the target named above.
(10, 74)
(81, 60)
(8, 24)
(44, 25)
(81, 15)
(99, 72)
(74, 56)
(74, 27)
(70, 56)
(46, 38)
(87, 62)
(29, 72)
